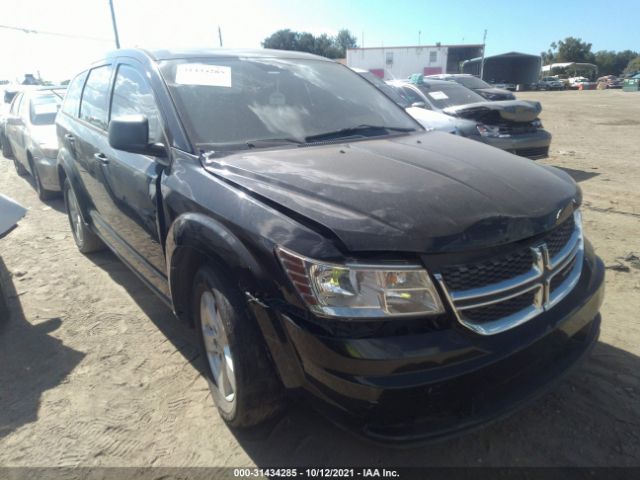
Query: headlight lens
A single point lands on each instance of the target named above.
(488, 130)
(361, 290)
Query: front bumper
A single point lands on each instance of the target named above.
(48, 171)
(530, 145)
(420, 387)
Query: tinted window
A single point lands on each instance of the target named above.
(95, 97)
(44, 109)
(227, 102)
(132, 95)
(411, 96)
(449, 94)
(72, 99)
(472, 82)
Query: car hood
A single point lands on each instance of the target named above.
(510, 110)
(487, 92)
(429, 192)
(432, 120)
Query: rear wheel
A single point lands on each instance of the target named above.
(243, 383)
(85, 239)
(43, 193)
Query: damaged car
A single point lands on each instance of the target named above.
(411, 284)
(511, 125)
(479, 86)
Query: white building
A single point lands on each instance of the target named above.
(400, 62)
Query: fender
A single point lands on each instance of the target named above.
(208, 238)
(67, 169)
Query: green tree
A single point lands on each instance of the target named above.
(633, 66)
(282, 40)
(573, 49)
(344, 39)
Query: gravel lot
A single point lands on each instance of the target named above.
(94, 370)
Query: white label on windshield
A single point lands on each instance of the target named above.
(203, 74)
(45, 108)
(438, 95)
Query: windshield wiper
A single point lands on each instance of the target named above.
(347, 132)
(270, 142)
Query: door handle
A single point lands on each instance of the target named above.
(101, 157)
(69, 137)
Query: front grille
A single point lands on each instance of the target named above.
(559, 236)
(476, 275)
(488, 295)
(517, 128)
(489, 313)
(533, 153)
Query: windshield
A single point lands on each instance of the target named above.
(447, 94)
(44, 108)
(393, 92)
(471, 82)
(227, 102)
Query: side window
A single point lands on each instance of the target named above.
(412, 96)
(72, 98)
(95, 97)
(23, 110)
(15, 104)
(132, 95)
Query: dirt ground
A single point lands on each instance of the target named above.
(94, 370)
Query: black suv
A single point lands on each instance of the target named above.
(414, 283)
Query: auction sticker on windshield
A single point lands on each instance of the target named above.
(203, 74)
(438, 95)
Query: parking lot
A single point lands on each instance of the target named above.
(96, 371)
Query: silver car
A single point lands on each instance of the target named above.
(30, 137)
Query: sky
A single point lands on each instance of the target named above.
(527, 27)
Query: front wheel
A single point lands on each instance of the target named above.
(243, 383)
(43, 193)
(20, 170)
(6, 148)
(85, 239)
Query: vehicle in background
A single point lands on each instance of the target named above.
(610, 81)
(511, 125)
(8, 93)
(481, 87)
(504, 85)
(30, 137)
(580, 83)
(429, 119)
(415, 284)
(550, 83)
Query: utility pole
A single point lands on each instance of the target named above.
(220, 35)
(419, 35)
(115, 26)
(484, 44)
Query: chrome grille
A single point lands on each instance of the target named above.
(495, 295)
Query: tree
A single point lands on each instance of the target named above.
(324, 45)
(573, 49)
(613, 63)
(345, 40)
(633, 66)
(282, 40)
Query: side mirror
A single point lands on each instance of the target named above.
(13, 120)
(131, 134)
(419, 105)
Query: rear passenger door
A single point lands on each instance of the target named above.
(130, 181)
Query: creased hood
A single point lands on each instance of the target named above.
(510, 110)
(427, 193)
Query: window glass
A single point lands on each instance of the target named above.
(433, 57)
(132, 95)
(472, 82)
(24, 107)
(95, 97)
(16, 104)
(410, 95)
(449, 94)
(72, 99)
(44, 108)
(227, 102)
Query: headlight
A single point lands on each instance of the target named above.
(488, 131)
(355, 290)
(536, 123)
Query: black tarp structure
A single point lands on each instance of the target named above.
(512, 67)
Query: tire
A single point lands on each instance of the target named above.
(250, 391)
(6, 148)
(43, 194)
(23, 172)
(86, 240)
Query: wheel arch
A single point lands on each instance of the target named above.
(195, 239)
